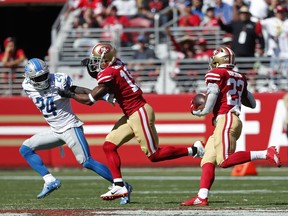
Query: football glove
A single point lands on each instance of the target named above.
(110, 99)
(65, 93)
(85, 61)
(193, 110)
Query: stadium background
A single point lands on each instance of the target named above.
(31, 22)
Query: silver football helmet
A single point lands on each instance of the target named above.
(37, 72)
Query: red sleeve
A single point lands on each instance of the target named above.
(20, 52)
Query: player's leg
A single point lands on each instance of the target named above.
(76, 141)
(40, 141)
(229, 129)
(207, 176)
(143, 125)
(120, 134)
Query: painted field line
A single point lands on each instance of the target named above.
(155, 178)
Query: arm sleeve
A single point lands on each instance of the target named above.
(212, 95)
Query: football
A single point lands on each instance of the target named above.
(199, 101)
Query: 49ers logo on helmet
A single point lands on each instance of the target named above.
(215, 52)
(105, 49)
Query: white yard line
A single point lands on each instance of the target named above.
(160, 178)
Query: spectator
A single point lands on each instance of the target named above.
(236, 7)
(88, 20)
(184, 50)
(114, 24)
(202, 52)
(185, 45)
(146, 67)
(151, 7)
(276, 30)
(245, 33)
(223, 11)
(126, 7)
(273, 27)
(209, 20)
(188, 19)
(12, 58)
(197, 8)
(98, 6)
(272, 6)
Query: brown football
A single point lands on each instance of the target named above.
(199, 101)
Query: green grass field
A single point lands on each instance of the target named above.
(154, 189)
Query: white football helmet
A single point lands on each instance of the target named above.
(222, 57)
(37, 72)
(102, 56)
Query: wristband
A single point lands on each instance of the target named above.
(91, 98)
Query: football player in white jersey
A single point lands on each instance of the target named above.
(65, 127)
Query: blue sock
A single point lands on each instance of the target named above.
(99, 168)
(33, 160)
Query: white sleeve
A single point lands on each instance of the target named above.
(212, 95)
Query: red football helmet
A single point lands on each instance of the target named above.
(102, 56)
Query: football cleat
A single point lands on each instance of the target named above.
(195, 201)
(200, 149)
(273, 156)
(126, 199)
(48, 188)
(115, 192)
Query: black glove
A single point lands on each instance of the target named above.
(85, 61)
(65, 93)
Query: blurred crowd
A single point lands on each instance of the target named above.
(253, 28)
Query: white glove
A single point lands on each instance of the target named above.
(110, 99)
(197, 112)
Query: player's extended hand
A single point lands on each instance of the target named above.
(110, 99)
(85, 61)
(65, 93)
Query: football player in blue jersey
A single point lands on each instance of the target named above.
(42, 87)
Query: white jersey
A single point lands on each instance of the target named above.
(276, 31)
(56, 110)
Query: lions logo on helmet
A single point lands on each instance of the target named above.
(222, 57)
(102, 56)
(37, 73)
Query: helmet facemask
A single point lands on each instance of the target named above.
(95, 63)
(102, 56)
(37, 73)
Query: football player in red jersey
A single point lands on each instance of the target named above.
(226, 90)
(138, 120)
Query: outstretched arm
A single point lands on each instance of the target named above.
(84, 95)
(80, 90)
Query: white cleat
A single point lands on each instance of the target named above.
(200, 149)
(115, 192)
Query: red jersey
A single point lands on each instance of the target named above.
(232, 85)
(127, 93)
(18, 54)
